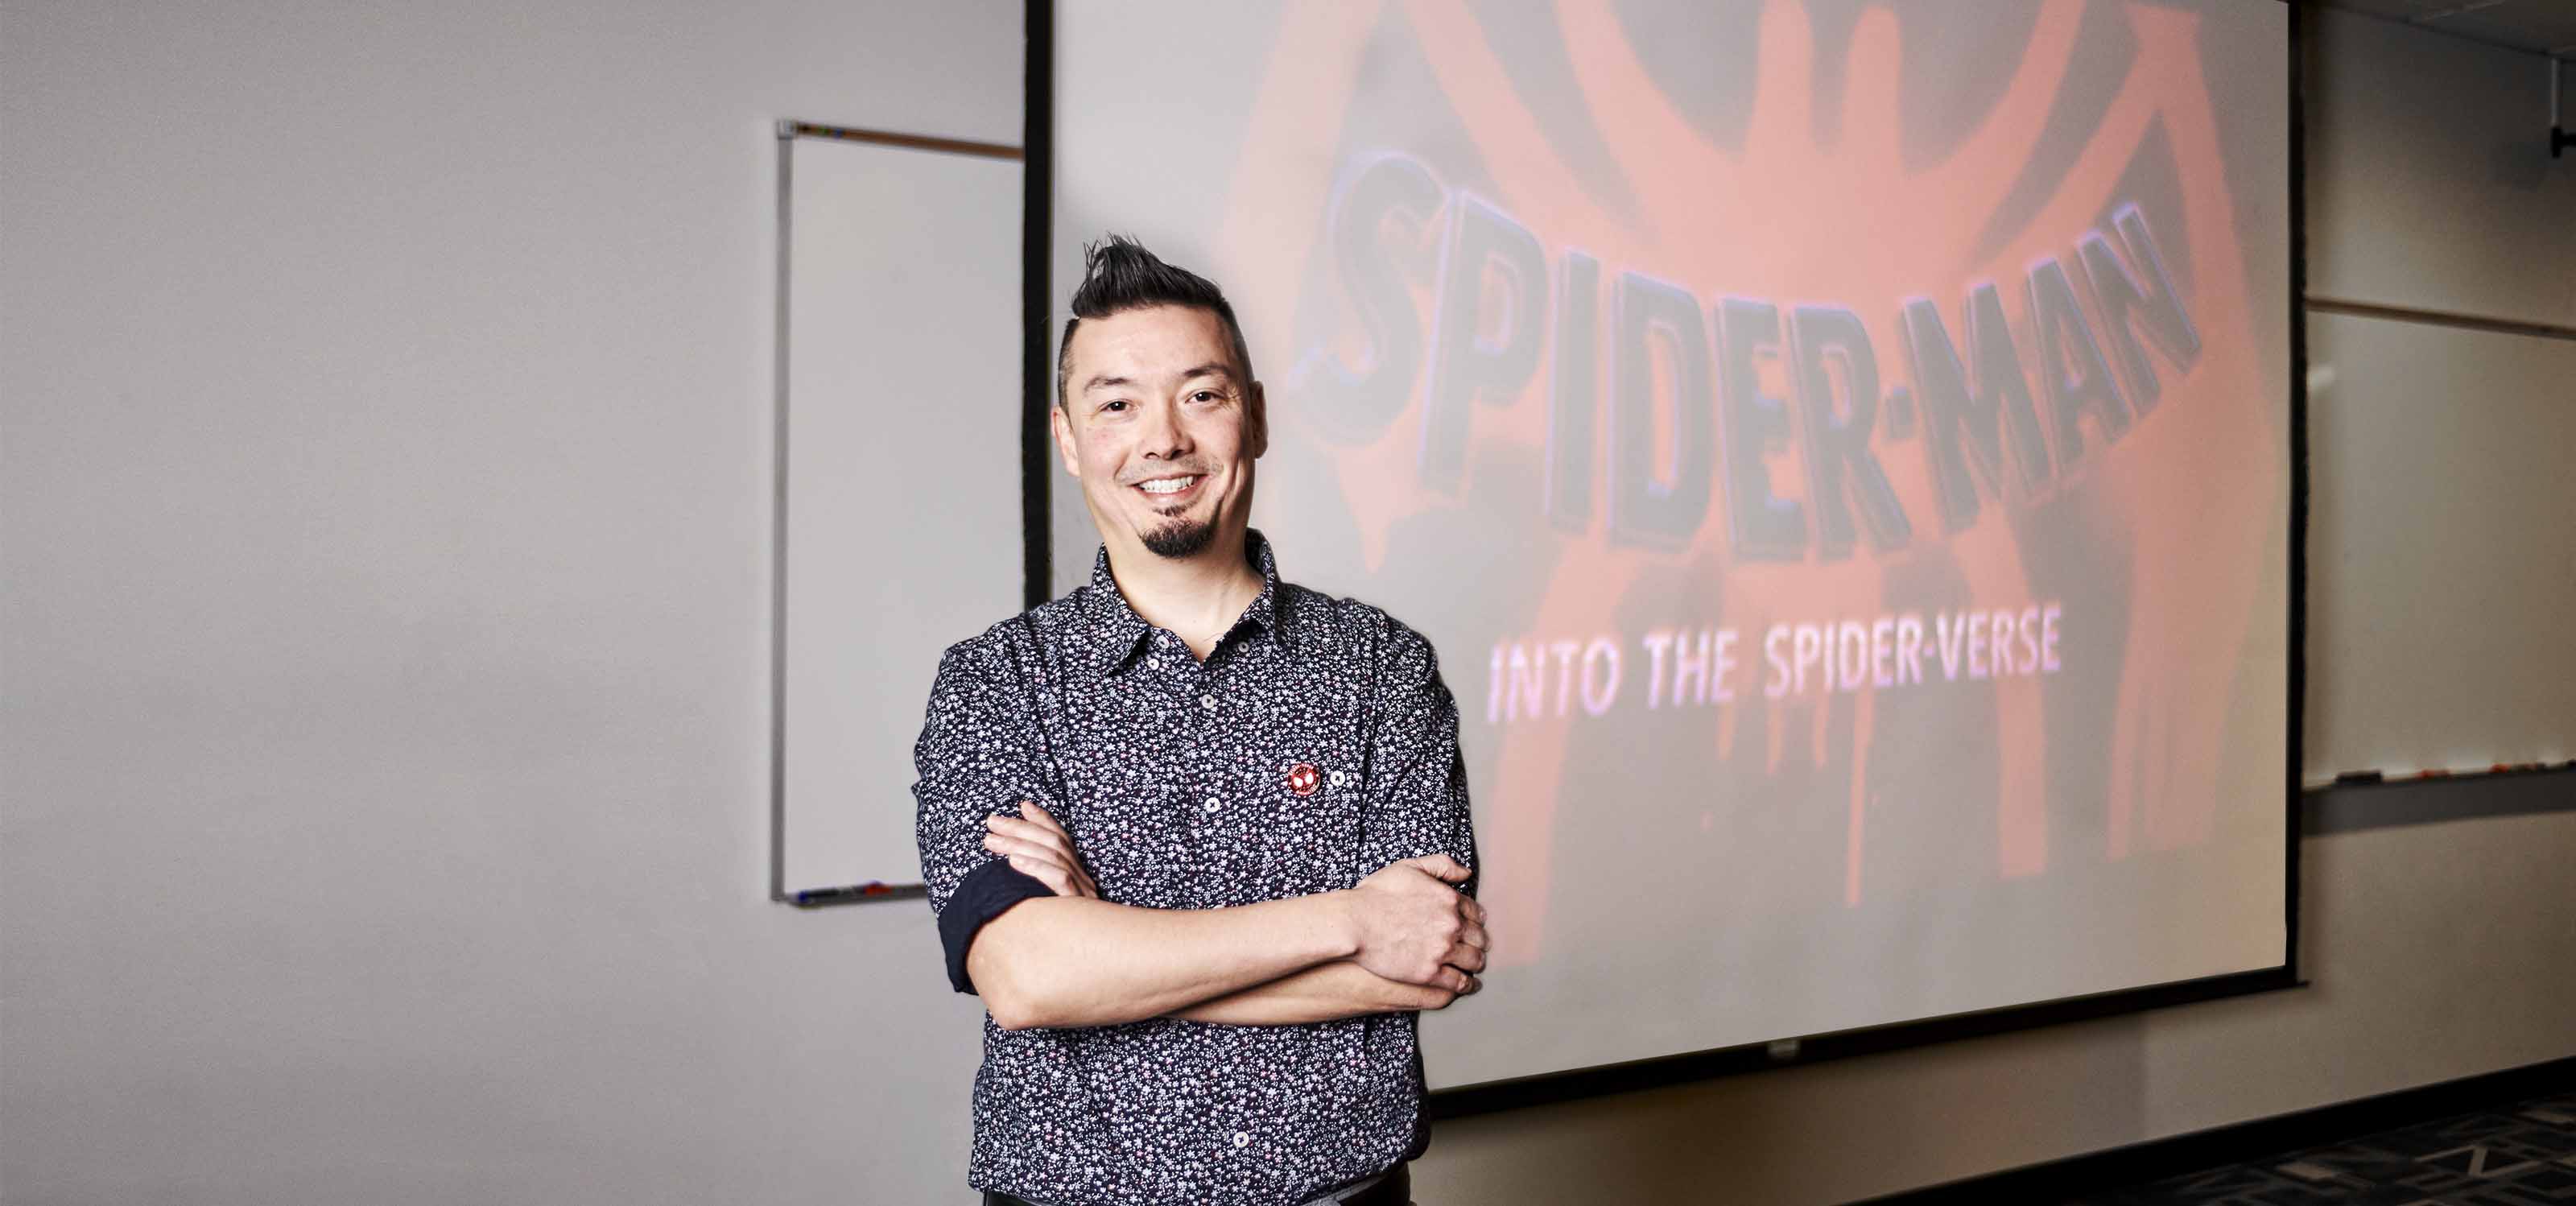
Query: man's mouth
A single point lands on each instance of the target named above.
(1170, 487)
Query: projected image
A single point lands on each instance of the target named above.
(1839, 450)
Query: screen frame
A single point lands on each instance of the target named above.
(1036, 448)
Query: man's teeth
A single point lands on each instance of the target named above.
(1169, 485)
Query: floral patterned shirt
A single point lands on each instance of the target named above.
(1315, 745)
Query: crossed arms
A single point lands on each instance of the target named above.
(1408, 937)
(1404, 939)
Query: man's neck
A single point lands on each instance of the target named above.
(1198, 598)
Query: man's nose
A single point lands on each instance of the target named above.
(1164, 435)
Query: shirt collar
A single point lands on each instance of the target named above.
(1114, 630)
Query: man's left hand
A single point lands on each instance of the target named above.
(1040, 849)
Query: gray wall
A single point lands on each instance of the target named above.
(384, 533)
(386, 549)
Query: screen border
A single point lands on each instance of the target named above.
(1461, 1101)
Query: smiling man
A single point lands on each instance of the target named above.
(1199, 837)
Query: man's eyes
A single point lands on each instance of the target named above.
(1117, 405)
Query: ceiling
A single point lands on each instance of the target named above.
(2540, 26)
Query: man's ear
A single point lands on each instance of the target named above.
(1257, 428)
(1062, 424)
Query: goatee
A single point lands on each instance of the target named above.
(1181, 538)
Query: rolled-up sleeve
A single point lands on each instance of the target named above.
(977, 756)
(1417, 780)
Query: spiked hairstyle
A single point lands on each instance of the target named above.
(1119, 275)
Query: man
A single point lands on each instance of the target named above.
(1197, 836)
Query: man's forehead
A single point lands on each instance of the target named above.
(1151, 343)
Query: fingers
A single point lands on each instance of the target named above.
(1029, 829)
(1473, 915)
(1054, 875)
(1465, 958)
(1058, 878)
(1041, 851)
(1049, 860)
(1053, 843)
(1040, 816)
(1441, 866)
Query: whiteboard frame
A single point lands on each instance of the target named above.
(788, 132)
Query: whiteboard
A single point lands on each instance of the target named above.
(899, 478)
(2441, 552)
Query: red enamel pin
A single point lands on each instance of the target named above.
(1303, 780)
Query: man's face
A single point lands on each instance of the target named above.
(1161, 426)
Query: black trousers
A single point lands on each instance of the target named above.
(1395, 1190)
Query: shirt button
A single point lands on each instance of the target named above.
(1241, 1139)
(1337, 778)
(1208, 702)
(1213, 804)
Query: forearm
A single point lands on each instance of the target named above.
(1076, 961)
(1322, 993)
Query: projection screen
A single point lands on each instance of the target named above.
(1841, 452)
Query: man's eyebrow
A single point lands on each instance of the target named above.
(1213, 368)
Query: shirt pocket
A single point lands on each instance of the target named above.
(1312, 802)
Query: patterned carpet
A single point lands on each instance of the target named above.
(2523, 1154)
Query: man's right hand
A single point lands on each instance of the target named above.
(1417, 928)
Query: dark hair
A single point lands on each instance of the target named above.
(1119, 275)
